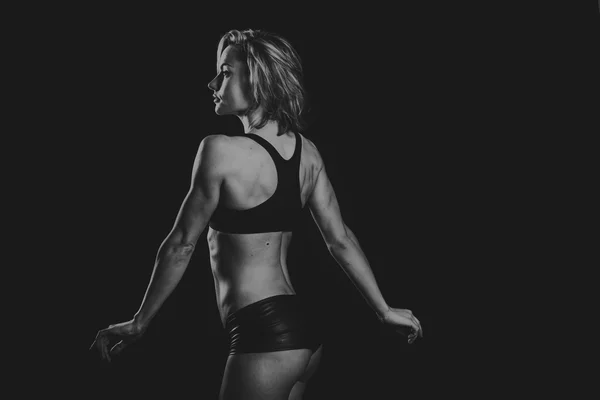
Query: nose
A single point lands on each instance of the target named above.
(214, 84)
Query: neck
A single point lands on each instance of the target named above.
(270, 129)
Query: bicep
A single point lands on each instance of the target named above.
(325, 210)
(202, 197)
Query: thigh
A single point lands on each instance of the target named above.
(268, 376)
(299, 387)
(313, 365)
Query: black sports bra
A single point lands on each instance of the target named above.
(280, 212)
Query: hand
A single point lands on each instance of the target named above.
(399, 319)
(123, 333)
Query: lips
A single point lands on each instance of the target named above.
(216, 98)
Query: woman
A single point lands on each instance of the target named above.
(250, 190)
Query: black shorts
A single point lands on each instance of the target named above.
(276, 323)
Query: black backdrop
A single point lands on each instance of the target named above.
(396, 108)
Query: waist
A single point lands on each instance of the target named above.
(232, 298)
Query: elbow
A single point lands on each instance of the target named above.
(341, 240)
(178, 243)
(339, 244)
(179, 249)
(186, 249)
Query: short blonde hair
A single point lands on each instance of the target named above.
(275, 74)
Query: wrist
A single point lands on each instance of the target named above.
(383, 314)
(140, 323)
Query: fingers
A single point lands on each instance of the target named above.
(117, 348)
(414, 333)
(420, 328)
(413, 336)
(101, 343)
(105, 337)
(415, 322)
(98, 342)
(417, 329)
(404, 319)
(104, 348)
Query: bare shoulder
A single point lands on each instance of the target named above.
(313, 156)
(214, 144)
(214, 153)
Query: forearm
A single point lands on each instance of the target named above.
(352, 260)
(171, 262)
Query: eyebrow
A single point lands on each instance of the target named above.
(222, 65)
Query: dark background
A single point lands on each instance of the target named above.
(403, 111)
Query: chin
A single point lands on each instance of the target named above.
(220, 110)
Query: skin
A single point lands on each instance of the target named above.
(240, 174)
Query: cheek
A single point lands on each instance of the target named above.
(240, 96)
(245, 91)
(237, 93)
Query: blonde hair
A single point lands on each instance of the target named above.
(275, 75)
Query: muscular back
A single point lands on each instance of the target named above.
(249, 267)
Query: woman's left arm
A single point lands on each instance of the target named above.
(176, 250)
